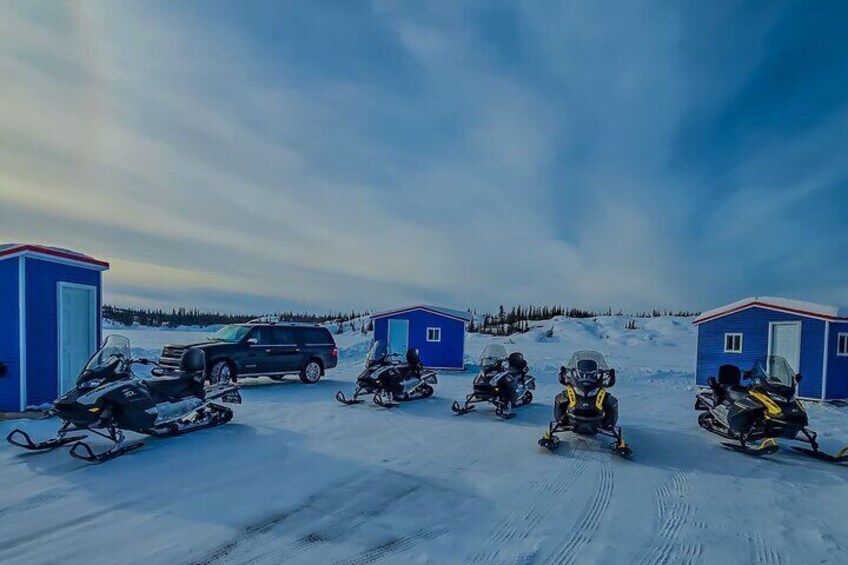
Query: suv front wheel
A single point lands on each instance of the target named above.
(311, 372)
(222, 373)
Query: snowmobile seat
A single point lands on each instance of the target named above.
(517, 362)
(173, 387)
(188, 382)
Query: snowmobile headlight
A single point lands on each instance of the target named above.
(94, 383)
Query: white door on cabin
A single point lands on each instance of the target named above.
(398, 336)
(785, 341)
(77, 331)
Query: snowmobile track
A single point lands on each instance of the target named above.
(674, 512)
(519, 527)
(592, 516)
(394, 547)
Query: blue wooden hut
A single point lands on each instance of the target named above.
(49, 321)
(813, 338)
(438, 334)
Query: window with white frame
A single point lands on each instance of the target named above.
(434, 334)
(842, 344)
(733, 343)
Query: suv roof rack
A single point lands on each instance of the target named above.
(274, 320)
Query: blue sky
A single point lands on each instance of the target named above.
(260, 156)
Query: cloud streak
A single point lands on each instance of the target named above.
(373, 154)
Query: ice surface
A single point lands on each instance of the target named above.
(298, 478)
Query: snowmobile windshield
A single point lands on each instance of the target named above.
(492, 355)
(233, 333)
(773, 370)
(587, 366)
(377, 353)
(115, 347)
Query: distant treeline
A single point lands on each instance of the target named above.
(195, 317)
(517, 319)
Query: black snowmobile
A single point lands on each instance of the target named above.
(109, 399)
(761, 412)
(585, 408)
(390, 380)
(503, 381)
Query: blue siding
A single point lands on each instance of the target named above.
(837, 366)
(10, 392)
(42, 278)
(753, 324)
(449, 353)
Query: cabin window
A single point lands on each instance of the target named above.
(434, 335)
(842, 345)
(733, 343)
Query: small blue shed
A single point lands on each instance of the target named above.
(437, 333)
(49, 321)
(813, 338)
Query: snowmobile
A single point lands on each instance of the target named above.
(109, 399)
(503, 381)
(585, 407)
(391, 380)
(763, 411)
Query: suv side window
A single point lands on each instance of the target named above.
(315, 336)
(262, 335)
(283, 336)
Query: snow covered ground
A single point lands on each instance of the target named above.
(297, 477)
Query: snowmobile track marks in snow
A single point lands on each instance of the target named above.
(674, 512)
(345, 521)
(394, 547)
(763, 554)
(347, 515)
(585, 530)
(518, 527)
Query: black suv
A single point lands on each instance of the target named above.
(266, 349)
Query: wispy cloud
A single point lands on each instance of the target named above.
(367, 155)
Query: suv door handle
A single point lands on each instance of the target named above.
(267, 351)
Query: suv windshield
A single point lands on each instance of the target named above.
(233, 333)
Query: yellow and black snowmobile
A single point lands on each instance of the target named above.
(585, 407)
(761, 412)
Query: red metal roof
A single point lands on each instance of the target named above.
(15, 249)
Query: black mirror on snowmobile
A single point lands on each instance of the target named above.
(611, 378)
(712, 382)
(798, 378)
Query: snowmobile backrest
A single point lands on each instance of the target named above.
(193, 361)
(413, 358)
(517, 362)
(729, 375)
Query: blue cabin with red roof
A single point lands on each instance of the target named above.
(50, 314)
(437, 333)
(813, 338)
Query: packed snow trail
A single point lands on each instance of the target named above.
(298, 478)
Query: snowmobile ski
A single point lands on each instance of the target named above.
(841, 457)
(82, 451)
(621, 449)
(378, 400)
(27, 443)
(348, 401)
(549, 441)
(767, 447)
(460, 409)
